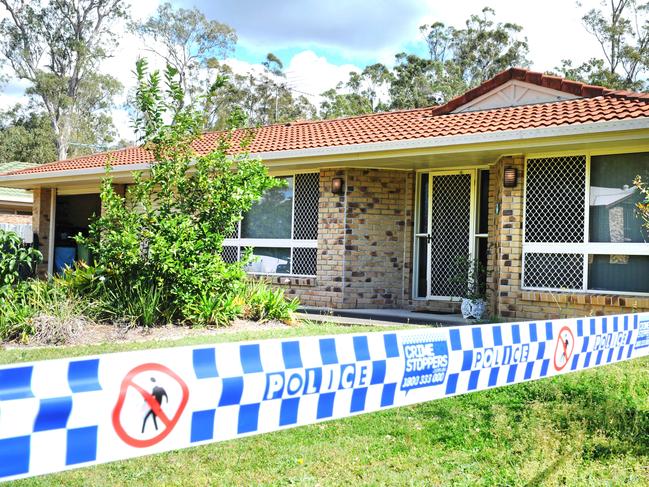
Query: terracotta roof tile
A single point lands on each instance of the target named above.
(595, 104)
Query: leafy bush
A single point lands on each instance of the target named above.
(15, 313)
(45, 310)
(262, 303)
(471, 278)
(159, 249)
(16, 260)
(642, 207)
(144, 304)
(211, 309)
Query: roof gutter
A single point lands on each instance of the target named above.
(394, 145)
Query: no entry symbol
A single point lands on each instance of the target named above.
(564, 348)
(151, 400)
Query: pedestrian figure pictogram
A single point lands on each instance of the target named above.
(158, 394)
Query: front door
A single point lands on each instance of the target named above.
(445, 230)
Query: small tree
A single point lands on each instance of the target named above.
(167, 233)
(16, 260)
(642, 207)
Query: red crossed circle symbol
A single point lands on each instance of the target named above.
(564, 347)
(151, 402)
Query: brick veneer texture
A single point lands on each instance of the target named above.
(364, 244)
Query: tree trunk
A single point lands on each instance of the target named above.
(62, 139)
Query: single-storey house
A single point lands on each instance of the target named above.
(529, 173)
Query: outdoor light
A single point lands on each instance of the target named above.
(510, 177)
(337, 185)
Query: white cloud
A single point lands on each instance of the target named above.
(346, 24)
(306, 73)
(312, 74)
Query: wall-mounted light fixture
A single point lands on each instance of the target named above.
(337, 185)
(510, 177)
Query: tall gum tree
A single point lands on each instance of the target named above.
(58, 46)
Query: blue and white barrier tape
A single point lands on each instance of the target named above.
(62, 414)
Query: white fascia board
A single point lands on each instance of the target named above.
(457, 140)
(125, 168)
(393, 145)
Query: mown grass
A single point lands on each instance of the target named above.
(588, 428)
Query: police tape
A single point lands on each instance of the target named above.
(61, 414)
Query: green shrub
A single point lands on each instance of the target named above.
(85, 281)
(141, 303)
(16, 260)
(42, 308)
(210, 309)
(53, 298)
(159, 249)
(262, 303)
(15, 313)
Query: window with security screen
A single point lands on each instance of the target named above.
(281, 229)
(581, 230)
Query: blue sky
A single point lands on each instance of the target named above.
(343, 31)
(321, 41)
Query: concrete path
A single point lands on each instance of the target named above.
(379, 317)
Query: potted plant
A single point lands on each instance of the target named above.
(470, 277)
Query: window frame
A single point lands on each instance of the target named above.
(585, 248)
(277, 243)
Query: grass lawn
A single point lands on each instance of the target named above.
(587, 428)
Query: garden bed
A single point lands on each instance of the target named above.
(95, 334)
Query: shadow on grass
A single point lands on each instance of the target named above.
(547, 472)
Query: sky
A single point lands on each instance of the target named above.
(320, 42)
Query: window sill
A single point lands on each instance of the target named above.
(608, 299)
(285, 279)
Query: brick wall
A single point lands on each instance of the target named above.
(364, 242)
(16, 219)
(377, 246)
(326, 289)
(506, 239)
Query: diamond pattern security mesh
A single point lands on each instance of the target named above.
(555, 199)
(230, 254)
(304, 261)
(450, 230)
(235, 232)
(305, 218)
(554, 271)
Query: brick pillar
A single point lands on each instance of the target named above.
(41, 217)
(331, 243)
(507, 249)
(379, 210)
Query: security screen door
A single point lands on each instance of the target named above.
(446, 202)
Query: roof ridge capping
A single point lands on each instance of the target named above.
(550, 81)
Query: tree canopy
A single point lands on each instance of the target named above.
(622, 31)
(58, 47)
(458, 59)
